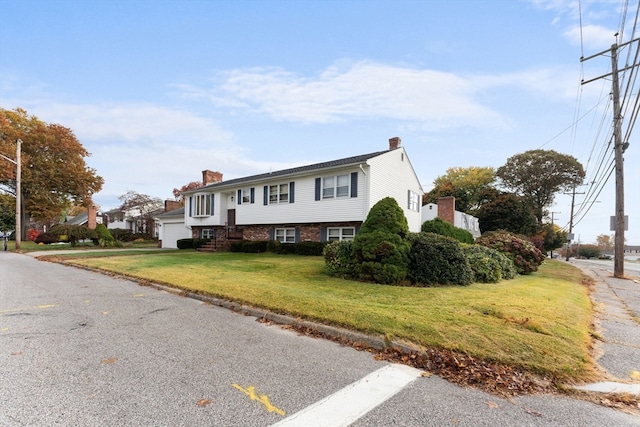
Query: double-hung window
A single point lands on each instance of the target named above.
(279, 193)
(335, 186)
(285, 235)
(337, 233)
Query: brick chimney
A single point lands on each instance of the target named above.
(394, 143)
(91, 217)
(171, 205)
(446, 208)
(210, 177)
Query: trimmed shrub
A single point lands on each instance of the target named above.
(122, 235)
(190, 243)
(443, 228)
(249, 246)
(309, 248)
(338, 259)
(589, 251)
(74, 233)
(46, 238)
(273, 246)
(525, 256)
(380, 249)
(437, 260)
(482, 274)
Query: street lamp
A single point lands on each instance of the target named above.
(18, 191)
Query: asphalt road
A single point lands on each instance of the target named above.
(83, 349)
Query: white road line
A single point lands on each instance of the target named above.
(352, 402)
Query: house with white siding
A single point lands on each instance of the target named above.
(320, 202)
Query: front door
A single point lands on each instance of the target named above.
(231, 217)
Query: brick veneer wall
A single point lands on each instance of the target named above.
(308, 232)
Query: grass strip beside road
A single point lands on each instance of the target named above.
(540, 322)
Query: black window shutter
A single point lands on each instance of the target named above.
(354, 184)
(323, 234)
(408, 199)
(190, 205)
(272, 233)
(318, 184)
(292, 191)
(297, 235)
(266, 196)
(213, 198)
(253, 194)
(239, 197)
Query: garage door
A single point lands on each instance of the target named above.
(172, 232)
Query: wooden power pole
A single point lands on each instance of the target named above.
(618, 147)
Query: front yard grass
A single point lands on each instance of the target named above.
(540, 322)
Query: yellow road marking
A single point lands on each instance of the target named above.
(13, 310)
(263, 398)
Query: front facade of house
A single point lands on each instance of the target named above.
(321, 202)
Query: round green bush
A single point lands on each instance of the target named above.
(380, 249)
(443, 228)
(381, 257)
(338, 259)
(437, 260)
(506, 266)
(525, 256)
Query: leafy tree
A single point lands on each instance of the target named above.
(507, 212)
(54, 173)
(552, 237)
(142, 205)
(380, 248)
(605, 242)
(7, 212)
(177, 192)
(538, 175)
(467, 185)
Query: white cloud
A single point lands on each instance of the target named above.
(591, 36)
(363, 90)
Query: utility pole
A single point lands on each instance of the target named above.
(552, 227)
(618, 147)
(18, 191)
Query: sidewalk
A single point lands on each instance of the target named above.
(617, 305)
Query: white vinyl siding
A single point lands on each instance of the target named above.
(391, 175)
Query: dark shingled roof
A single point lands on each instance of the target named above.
(179, 211)
(330, 164)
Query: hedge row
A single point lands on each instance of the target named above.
(274, 246)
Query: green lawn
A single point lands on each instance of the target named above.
(539, 322)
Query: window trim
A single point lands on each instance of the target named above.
(201, 205)
(285, 234)
(413, 201)
(340, 233)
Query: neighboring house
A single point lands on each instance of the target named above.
(131, 220)
(320, 202)
(446, 210)
(89, 218)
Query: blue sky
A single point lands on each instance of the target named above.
(158, 91)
